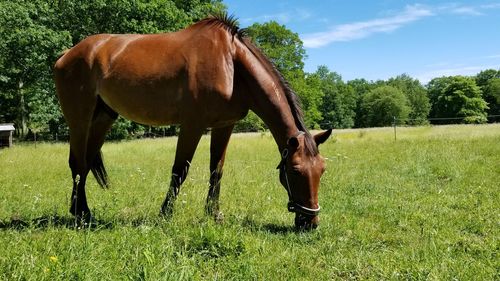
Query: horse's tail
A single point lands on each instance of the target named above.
(99, 171)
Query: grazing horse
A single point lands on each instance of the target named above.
(206, 76)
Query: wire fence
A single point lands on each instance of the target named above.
(406, 121)
(397, 122)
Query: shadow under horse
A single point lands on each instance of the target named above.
(206, 76)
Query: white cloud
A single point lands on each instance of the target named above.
(280, 17)
(491, 6)
(468, 11)
(362, 29)
(492, 57)
(358, 30)
(465, 71)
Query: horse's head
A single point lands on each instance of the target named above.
(300, 173)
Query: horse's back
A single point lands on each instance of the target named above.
(165, 75)
(84, 51)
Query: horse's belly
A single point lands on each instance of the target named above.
(145, 105)
(169, 102)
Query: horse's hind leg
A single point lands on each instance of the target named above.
(78, 101)
(79, 125)
(102, 121)
(89, 158)
(187, 142)
(218, 145)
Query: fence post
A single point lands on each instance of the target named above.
(394, 124)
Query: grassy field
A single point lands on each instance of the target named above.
(424, 207)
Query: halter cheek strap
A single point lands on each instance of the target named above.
(293, 206)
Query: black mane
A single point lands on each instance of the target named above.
(226, 21)
(230, 23)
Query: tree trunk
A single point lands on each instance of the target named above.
(22, 111)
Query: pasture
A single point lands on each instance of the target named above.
(422, 207)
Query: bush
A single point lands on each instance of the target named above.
(382, 104)
(457, 96)
(251, 123)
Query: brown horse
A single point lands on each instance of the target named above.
(206, 76)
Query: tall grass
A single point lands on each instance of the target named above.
(422, 207)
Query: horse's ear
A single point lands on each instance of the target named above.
(322, 137)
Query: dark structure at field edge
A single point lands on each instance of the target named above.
(6, 131)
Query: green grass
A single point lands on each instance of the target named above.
(423, 207)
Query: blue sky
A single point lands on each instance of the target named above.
(382, 39)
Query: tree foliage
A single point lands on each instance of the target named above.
(489, 82)
(457, 96)
(35, 32)
(338, 107)
(29, 47)
(127, 16)
(381, 105)
(308, 89)
(281, 45)
(492, 94)
(417, 98)
(361, 87)
(251, 123)
(285, 49)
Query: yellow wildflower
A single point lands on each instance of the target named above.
(53, 258)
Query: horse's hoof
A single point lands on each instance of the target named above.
(85, 220)
(90, 223)
(219, 217)
(167, 208)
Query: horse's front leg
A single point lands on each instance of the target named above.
(218, 145)
(187, 142)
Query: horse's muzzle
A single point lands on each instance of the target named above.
(306, 222)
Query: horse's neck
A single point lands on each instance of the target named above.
(271, 105)
(278, 118)
(266, 94)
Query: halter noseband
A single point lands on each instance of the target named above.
(293, 206)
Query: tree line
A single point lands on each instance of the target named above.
(331, 102)
(34, 33)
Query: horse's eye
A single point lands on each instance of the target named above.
(296, 171)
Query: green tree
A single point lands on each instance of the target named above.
(382, 104)
(492, 97)
(28, 49)
(86, 17)
(338, 106)
(361, 87)
(417, 97)
(483, 77)
(285, 49)
(456, 97)
(489, 82)
(308, 89)
(251, 123)
(34, 33)
(127, 16)
(282, 46)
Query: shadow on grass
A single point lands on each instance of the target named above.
(269, 227)
(69, 222)
(49, 221)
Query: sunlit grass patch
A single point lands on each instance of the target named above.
(422, 207)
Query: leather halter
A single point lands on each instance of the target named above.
(293, 206)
